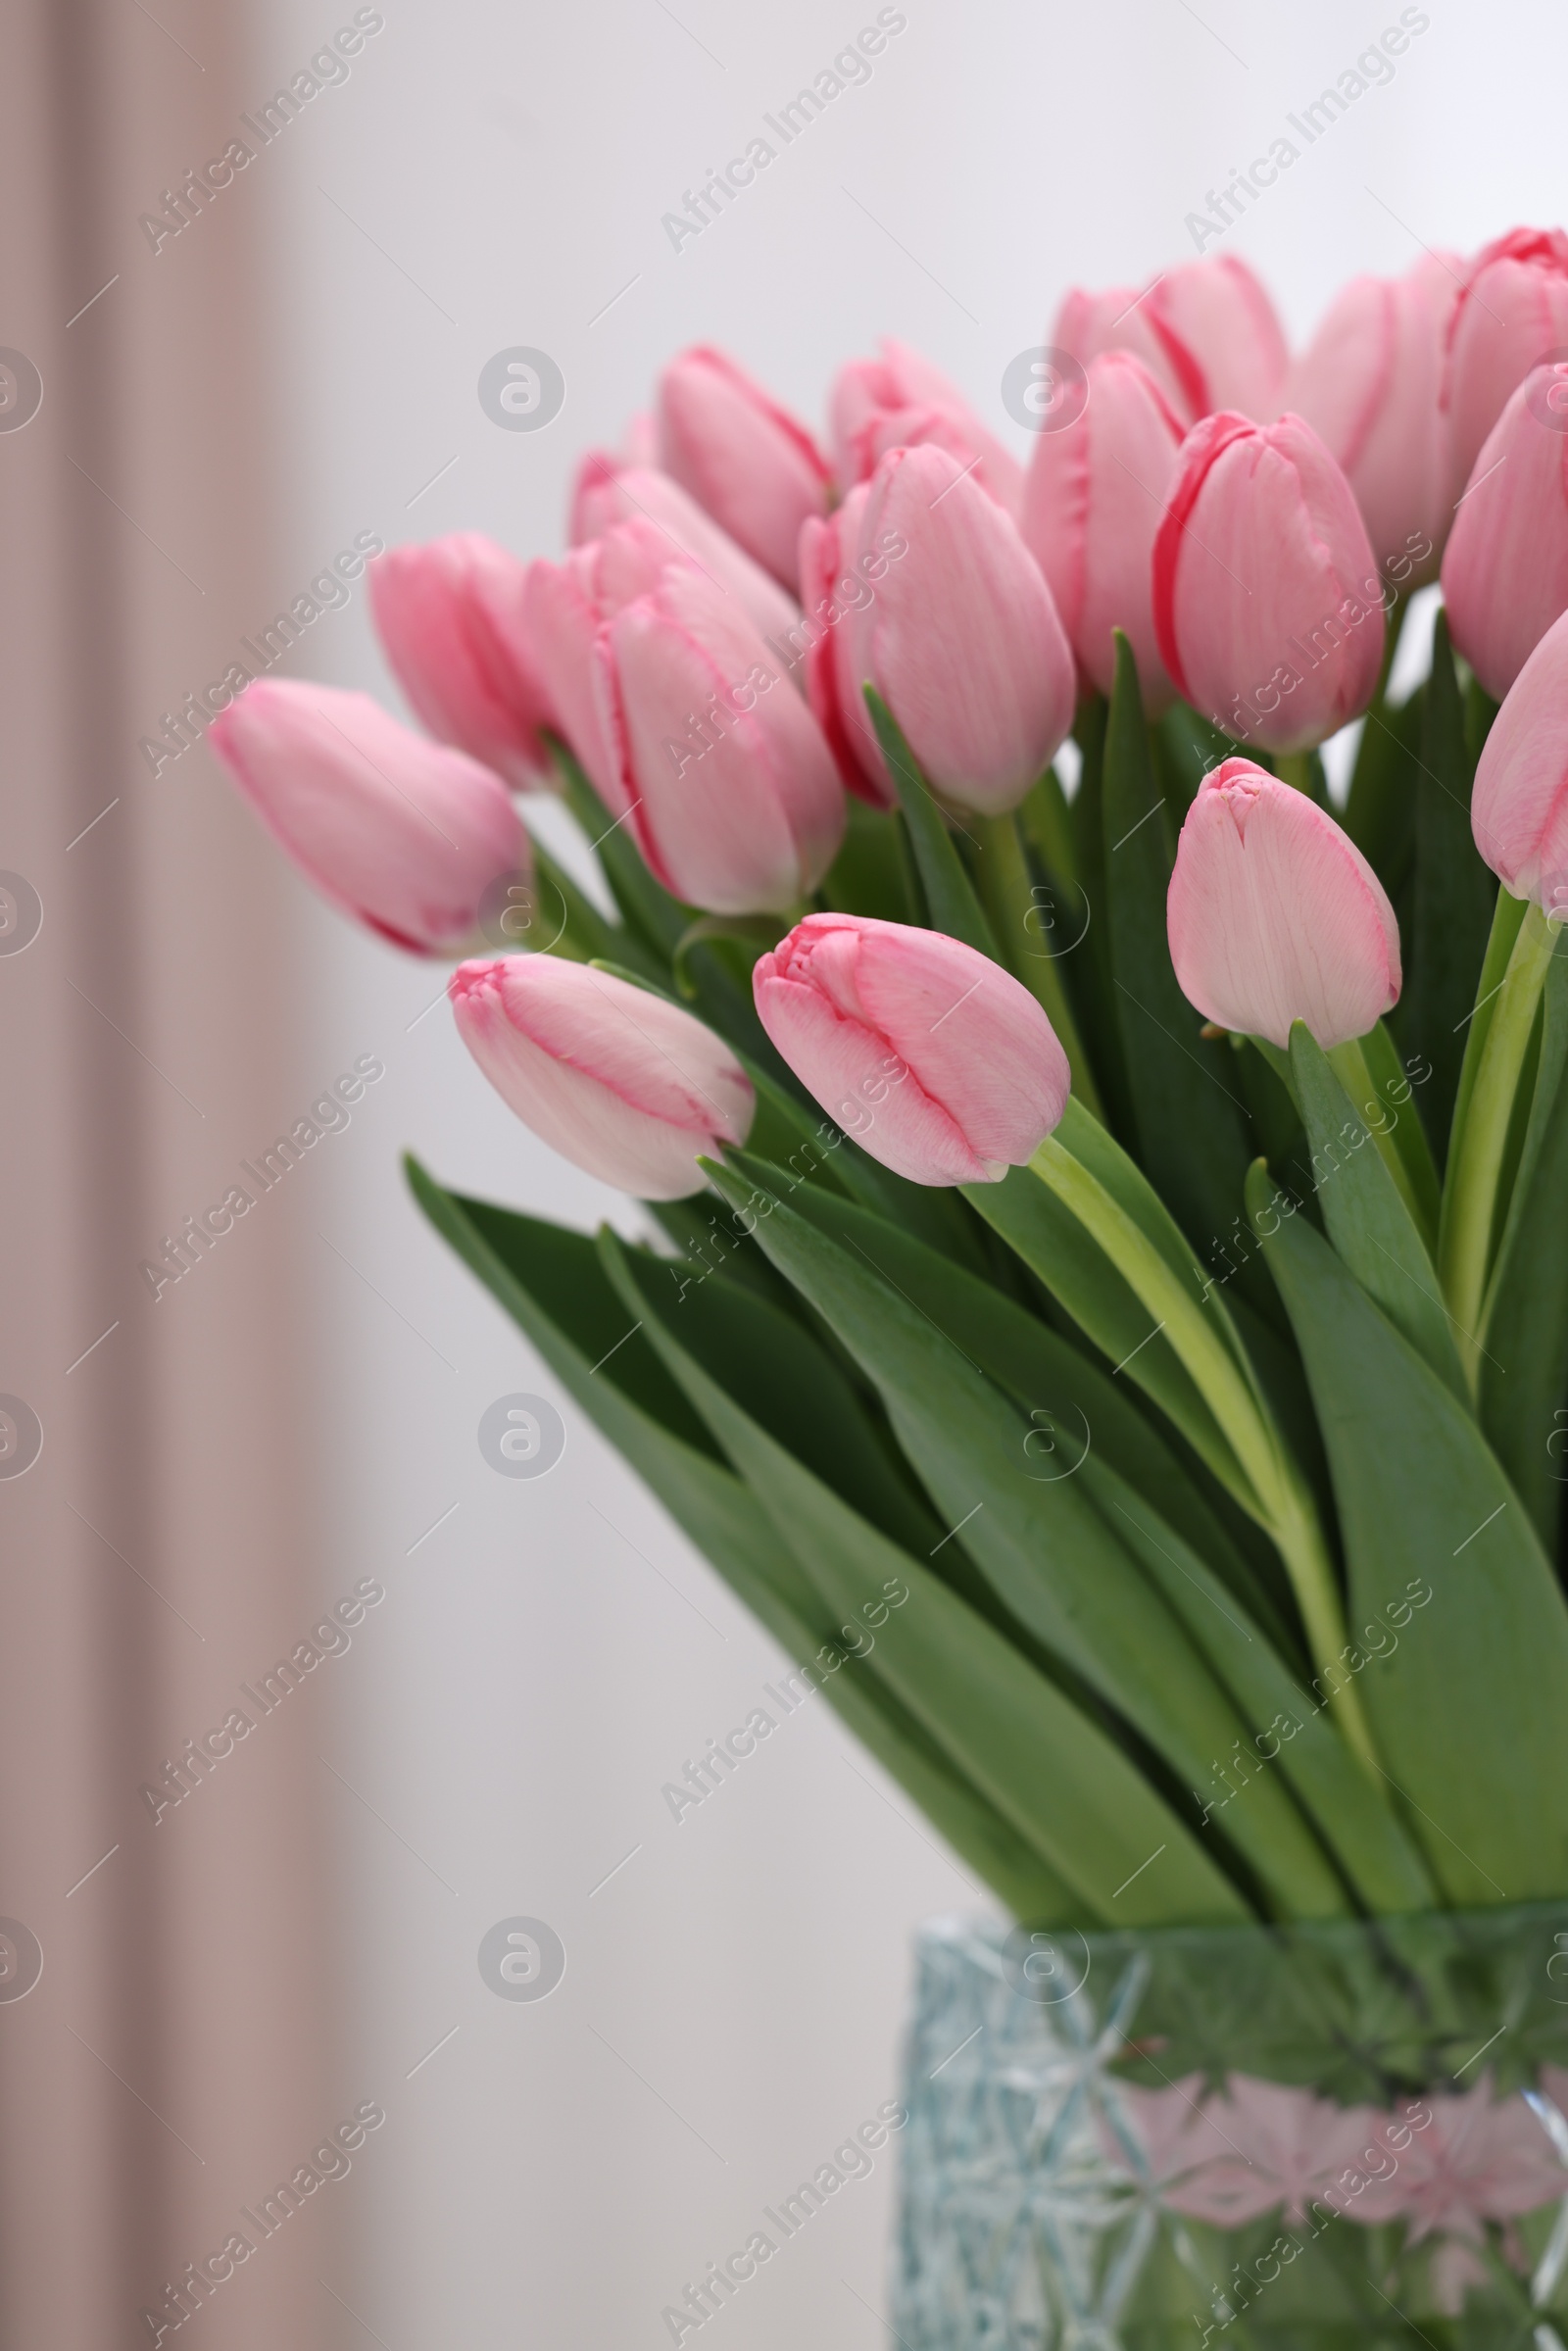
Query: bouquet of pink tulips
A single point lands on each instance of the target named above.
(1104, 1295)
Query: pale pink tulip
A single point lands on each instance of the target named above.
(1478, 2159)
(1368, 384)
(899, 401)
(1274, 915)
(404, 834)
(959, 636)
(448, 617)
(626, 1086)
(565, 606)
(1207, 330)
(1519, 802)
(934, 1058)
(607, 490)
(1159, 2137)
(1092, 505)
(1269, 608)
(730, 787)
(1272, 2145)
(1506, 573)
(742, 457)
(1510, 315)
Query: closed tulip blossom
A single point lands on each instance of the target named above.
(901, 401)
(745, 458)
(607, 490)
(565, 606)
(937, 1061)
(731, 789)
(1511, 314)
(626, 1086)
(448, 614)
(1095, 494)
(406, 835)
(961, 637)
(1274, 915)
(1269, 608)
(1519, 804)
(1368, 384)
(1505, 572)
(1206, 332)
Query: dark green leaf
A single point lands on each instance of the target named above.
(867, 876)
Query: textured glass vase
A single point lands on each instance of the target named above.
(1299, 2138)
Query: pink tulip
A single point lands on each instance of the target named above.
(838, 580)
(961, 636)
(1271, 2144)
(934, 1058)
(1477, 2159)
(1368, 385)
(1506, 573)
(745, 459)
(404, 834)
(608, 491)
(628, 1087)
(447, 613)
(1092, 505)
(565, 606)
(899, 401)
(1268, 609)
(1519, 804)
(1274, 915)
(1510, 315)
(733, 796)
(1206, 332)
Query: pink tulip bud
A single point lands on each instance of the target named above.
(839, 578)
(406, 835)
(608, 491)
(1269, 608)
(899, 401)
(448, 617)
(626, 1086)
(960, 635)
(731, 789)
(1206, 332)
(1092, 505)
(745, 459)
(934, 1058)
(565, 606)
(1274, 914)
(1519, 805)
(1506, 573)
(1510, 315)
(1368, 385)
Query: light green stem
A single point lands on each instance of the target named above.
(1282, 1504)
(1475, 1168)
(1348, 1063)
(1006, 891)
(1296, 767)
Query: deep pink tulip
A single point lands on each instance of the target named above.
(1095, 491)
(1505, 572)
(607, 490)
(628, 1087)
(1208, 332)
(731, 787)
(1368, 384)
(899, 401)
(1510, 315)
(448, 614)
(565, 606)
(405, 834)
(1519, 804)
(1274, 914)
(959, 636)
(1269, 608)
(938, 1062)
(745, 459)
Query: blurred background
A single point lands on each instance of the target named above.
(227, 1978)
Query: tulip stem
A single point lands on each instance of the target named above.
(1296, 767)
(1349, 1065)
(1470, 1200)
(1006, 891)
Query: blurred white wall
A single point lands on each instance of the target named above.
(553, 1652)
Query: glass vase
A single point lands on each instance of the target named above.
(1289, 2139)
